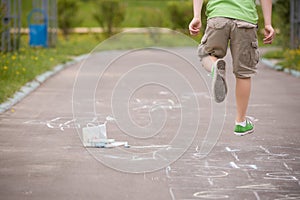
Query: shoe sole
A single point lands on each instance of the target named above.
(219, 86)
(245, 133)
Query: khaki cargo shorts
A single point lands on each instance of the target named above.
(242, 37)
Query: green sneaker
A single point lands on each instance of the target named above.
(241, 131)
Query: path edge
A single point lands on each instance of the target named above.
(269, 64)
(31, 86)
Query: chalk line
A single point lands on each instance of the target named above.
(233, 165)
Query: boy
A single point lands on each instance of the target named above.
(234, 21)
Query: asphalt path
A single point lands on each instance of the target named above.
(188, 156)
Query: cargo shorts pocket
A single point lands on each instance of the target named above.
(248, 54)
(254, 53)
(217, 23)
(201, 48)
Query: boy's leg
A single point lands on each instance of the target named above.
(243, 124)
(243, 45)
(208, 62)
(213, 46)
(214, 42)
(217, 67)
(242, 95)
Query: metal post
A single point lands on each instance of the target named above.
(19, 23)
(45, 8)
(7, 19)
(14, 17)
(295, 24)
(292, 23)
(11, 24)
(2, 24)
(53, 20)
(298, 24)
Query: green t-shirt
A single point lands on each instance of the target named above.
(237, 9)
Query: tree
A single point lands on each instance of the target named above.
(67, 10)
(110, 14)
(281, 9)
(181, 12)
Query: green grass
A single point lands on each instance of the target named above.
(277, 54)
(288, 58)
(136, 10)
(292, 59)
(16, 69)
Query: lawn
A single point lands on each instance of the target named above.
(288, 58)
(18, 68)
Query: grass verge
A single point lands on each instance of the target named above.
(18, 68)
(288, 58)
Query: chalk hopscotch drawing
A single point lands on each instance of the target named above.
(62, 123)
(288, 197)
(259, 179)
(210, 195)
(277, 156)
(264, 186)
(233, 153)
(171, 193)
(286, 176)
(153, 105)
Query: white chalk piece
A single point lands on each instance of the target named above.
(93, 132)
(116, 144)
(95, 136)
(106, 144)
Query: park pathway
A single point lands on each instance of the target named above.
(42, 157)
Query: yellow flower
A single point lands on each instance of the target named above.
(14, 57)
(17, 72)
(5, 68)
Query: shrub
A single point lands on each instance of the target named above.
(281, 20)
(292, 59)
(288, 58)
(276, 54)
(110, 14)
(67, 10)
(152, 17)
(2, 11)
(181, 14)
(260, 23)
